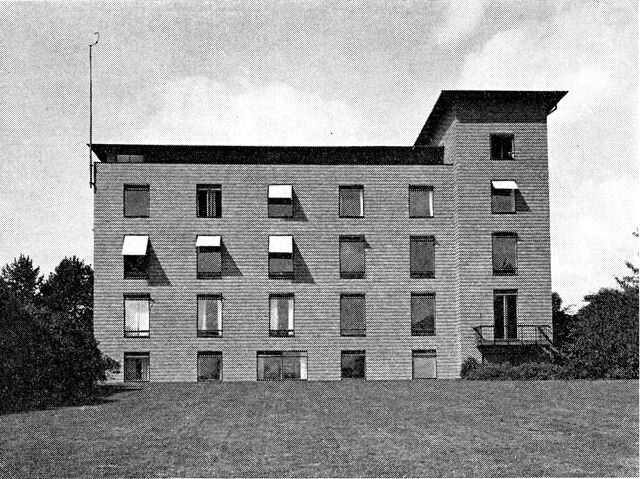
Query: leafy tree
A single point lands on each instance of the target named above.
(562, 320)
(23, 280)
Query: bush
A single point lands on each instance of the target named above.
(474, 371)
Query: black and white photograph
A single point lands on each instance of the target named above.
(319, 238)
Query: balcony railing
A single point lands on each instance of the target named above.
(521, 335)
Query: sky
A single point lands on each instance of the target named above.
(314, 73)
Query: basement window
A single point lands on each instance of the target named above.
(282, 365)
(424, 364)
(136, 367)
(209, 366)
(352, 365)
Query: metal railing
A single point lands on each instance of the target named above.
(519, 335)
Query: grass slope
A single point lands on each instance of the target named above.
(431, 428)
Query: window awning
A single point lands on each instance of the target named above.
(504, 185)
(135, 245)
(211, 241)
(280, 191)
(281, 244)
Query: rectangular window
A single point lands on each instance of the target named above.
(280, 202)
(281, 257)
(352, 261)
(422, 252)
(420, 201)
(352, 315)
(282, 365)
(503, 196)
(209, 366)
(135, 257)
(136, 367)
(209, 201)
(209, 316)
(502, 146)
(130, 158)
(424, 364)
(136, 201)
(352, 365)
(504, 246)
(136, 315)
(281, 315)
(423, 314)
(351, 201)
(505, 314)
(209, 257)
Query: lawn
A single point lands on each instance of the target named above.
(431, 428)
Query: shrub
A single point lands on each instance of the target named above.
(468, 367)
(474, 371)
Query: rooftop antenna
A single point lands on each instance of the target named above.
(91, 181)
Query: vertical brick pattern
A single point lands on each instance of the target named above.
(245, 227)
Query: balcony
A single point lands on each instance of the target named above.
(525, 335)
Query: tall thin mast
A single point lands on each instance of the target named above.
(91, 182)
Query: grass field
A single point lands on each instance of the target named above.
(438, 428)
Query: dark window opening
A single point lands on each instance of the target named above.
(136, 367)
(209, 262)
(281, 265)
(422, 252)
(209, 201)
(423, 314)
(502, 147)
(282, 365)
(503, 201)
(136, 201)
(352, 315)
(505, 314)
(209, 316)
(352, 257)
(504, 252)
(352, 365)
(351, 201)
(209, 366)
(420, 201)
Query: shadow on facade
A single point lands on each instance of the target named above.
(300, 268)
(298, 212)
(228, 265)
(521, 203)
(157, 275)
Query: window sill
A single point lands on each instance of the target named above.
(281, 333)
(503, 212)
(281, 276)
(423, 333)
(422, 275)
(209, 276)
(138, 334)
(353, 335)
(505, 273)
(210, 334)
(352, 276)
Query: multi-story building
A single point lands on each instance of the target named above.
(322, 263)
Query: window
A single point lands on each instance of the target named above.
(209, 316)
(209, 366)
(136, 201)
(422, 252)
(352, 263)
(136, 367)
(504, 254)
(423, 314)
(420, 201)
(280, 202)
(209, 201)
(282, 365)
(503, 196)
(352, 315)
(502, 147)
(136, 260)
(424, 364)
(209, 257)
(130, 158)
(281, 257)
(352, 365)
(281, 315)
(351, 201)
(136, 315)
(505, 314)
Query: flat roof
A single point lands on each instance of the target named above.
(305, 155)
(547, 99)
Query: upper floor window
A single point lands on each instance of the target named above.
(136, 201)
(503, 196)
(130, 158)
(209, 201)
(281, 315)
(504, 247)
(352, 261)
(352, 315)
(281, 257)
(135, 257)
(502, 146)
(209, 256)
(422, 252)
(420, 201)
(280, 201)
(209, 315)
(136, 315)
(423, 314)
(351, 201)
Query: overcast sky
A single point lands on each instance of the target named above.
(314, 73)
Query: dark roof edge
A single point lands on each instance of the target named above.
(445, 98)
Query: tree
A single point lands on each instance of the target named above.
(562, 320)
(23, 280)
